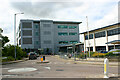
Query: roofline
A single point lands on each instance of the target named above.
(72, 44)
(66, 22)
(99, 28)
(56, 22)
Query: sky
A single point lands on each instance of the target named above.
(100, 13)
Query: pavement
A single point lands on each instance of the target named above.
(17, 61)
(84, 61)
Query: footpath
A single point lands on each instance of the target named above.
(87, 61)
(10, 62)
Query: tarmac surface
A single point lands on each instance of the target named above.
(57, 68)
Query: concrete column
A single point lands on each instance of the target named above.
(84, 44)
(94, 48)
(106, 40)
(114, 46)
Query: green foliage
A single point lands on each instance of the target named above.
(81, 55)
(9, 58)
(98, 54)
(9, 50)
(91, 53)
(111, 54)
(4, 40)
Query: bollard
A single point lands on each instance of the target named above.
(41, 59)
(106, 63)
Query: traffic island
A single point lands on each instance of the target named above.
(46, 61)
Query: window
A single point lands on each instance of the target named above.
(37, 42)
(27, 32)
(36, 33)
(73, 42)
(90, 37)
(27, 24)
(113, 32)
(72, 27)
(86, 37)
(46, 25)
(36, 26)
(72, 33)
(100, 34)
(63, 42)
(62, 33)
(20, 42)
(27, 40)
(62, 26)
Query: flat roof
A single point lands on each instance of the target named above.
(66, 22)
(100, 28)
(56, 22)
(71, 45)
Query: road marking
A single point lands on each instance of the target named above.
(48, 68)
(22, 70)
(9, 75)
(5, 68)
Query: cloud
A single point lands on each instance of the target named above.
(100, 13)
(43, 9)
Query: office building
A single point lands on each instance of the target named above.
(47, 34)
(99, 38)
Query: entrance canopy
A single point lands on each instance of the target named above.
(114, 42)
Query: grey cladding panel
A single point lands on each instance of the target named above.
(47, 42)
(27, 32)
(47, 32)
(27, 40)
(27, 24)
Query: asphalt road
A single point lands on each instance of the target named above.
(56, 68)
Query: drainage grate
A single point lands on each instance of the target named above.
(59, 70)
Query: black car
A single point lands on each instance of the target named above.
(32, 55)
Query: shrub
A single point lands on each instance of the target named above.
(98, 55)
(9, 50)
(111, 54)
(9, 58)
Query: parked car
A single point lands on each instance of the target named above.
(32, 55)
(115, 51)
(102, 51)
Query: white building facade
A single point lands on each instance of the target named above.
(99, 37)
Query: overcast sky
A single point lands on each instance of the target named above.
(100, 13)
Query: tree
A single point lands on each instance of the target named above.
(4, 40)
(9, 50)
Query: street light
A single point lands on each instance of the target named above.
(15, 32)
(88, 35)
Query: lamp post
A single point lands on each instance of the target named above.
(15, 32)
(88, 35)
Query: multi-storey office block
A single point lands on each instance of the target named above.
(44, 34)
